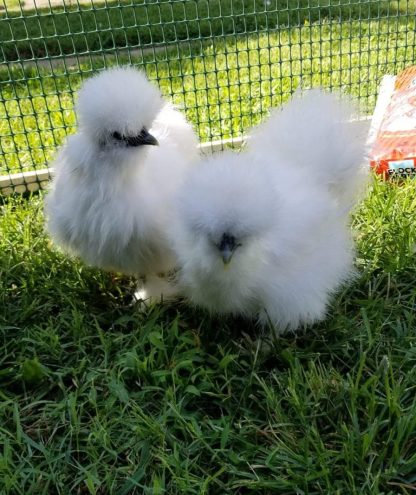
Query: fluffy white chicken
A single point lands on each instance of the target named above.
(265, 233)
(115, 180)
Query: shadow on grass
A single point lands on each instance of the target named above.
(88, 28)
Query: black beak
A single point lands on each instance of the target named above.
(227, 247)
(141, 139)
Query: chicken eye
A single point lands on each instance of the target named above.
(116, 135)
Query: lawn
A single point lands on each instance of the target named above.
(10, 5)
(98, 398)
(94, 26)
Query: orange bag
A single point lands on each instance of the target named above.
(394, 150)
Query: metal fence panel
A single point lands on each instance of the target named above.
(224, 62)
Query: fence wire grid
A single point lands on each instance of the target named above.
(224, 62)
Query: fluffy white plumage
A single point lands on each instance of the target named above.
(319, 133)
(265, 233)
(111, 197)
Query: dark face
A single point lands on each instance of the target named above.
(227, 246)
(141, 139)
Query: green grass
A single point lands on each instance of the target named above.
(225, 87)
(97, 398)
(11, 5)
(87, 27)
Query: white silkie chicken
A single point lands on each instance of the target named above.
(264, 233)
(115, 179)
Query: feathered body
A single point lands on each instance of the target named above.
(115, 180)
(265, 233)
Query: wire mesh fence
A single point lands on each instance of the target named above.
(224, 62)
